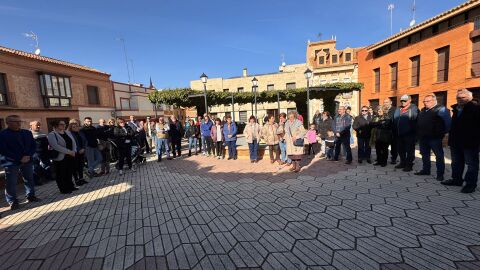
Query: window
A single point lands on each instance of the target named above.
(441, 98)
(225, 90)
(334, 80)
(270, 87)
(291, 86)
(55, 90)
(414, 99)
(321, 60)
(394, 101)
(377, 79)
(92, 92)
(243, 116)
(334, 59)
(240, 90)
(323, 81)
(348, 57)
(374, 103)
(347, 79)
(443, 55)
(124, 103)
(3, 90)
(415, 80)
(476, 56)
(393, 76)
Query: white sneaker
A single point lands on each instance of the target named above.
(120, 172)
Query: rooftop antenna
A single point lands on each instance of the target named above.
(319, 35)
(283, 60)
(390, 8)
(126, 58)
(412, 22)
(133, 70)
(34, 37)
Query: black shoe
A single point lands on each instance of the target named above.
(169, 158)
(90, 175)
(83, 181)
(78, 183)
(468, 189)
(235, 158)
(452, 182)
(369, 161)
(422, 172)
(74, 189)
(407, 169)
(14, 206)
(229, 158)
(349, 162)
(360, 161)
(383, 165)
(439, 178)
(66, 192)
(32, 199)
(399, 166)
(393, 162)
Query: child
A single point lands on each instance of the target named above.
(312, 140)
(329, 144)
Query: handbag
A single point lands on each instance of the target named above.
(298, 142)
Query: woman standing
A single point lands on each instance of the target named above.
(230, 134)
(206, 130)
(74, 128)
(281, 137)
(63, 142)
(294, 137)
(325, 124)
(381, 136)
(123, 136)
(218, 138)
(252, 135)
(191, 133)
(269, 134)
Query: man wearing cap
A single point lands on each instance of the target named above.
(405, 127)
(433, 123)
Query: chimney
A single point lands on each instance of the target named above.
(245, 74)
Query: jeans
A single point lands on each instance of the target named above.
(253, 149)
(329, 152)
(345, 141)
(192, 143)
(406, 149)
(364, 149)
(94, 158)
(283, 152)
(460, 157)
(219, 149)
(11, 176)
(209, 145)
(204, 144)
(435, 145)
(162, 146)
(232, 149)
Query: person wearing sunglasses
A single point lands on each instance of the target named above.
(363, 130)
(405, 129)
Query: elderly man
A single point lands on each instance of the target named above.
(433, 123)
(94, 156)
(405, 128)
(390, 111)
(464, 141)
(17, 148)
(341, 128)
(41, 159)
(175, 133)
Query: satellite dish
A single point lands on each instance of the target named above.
(412, 22)
(37, 51)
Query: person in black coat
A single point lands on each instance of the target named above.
(191, 134)
(175, 135)
(324, 125)
(79, 163)
(381, 135)
(41, 159)
(361, 126)
(464, 141)
(389, 110)
(123, 136)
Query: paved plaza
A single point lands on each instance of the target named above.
(203, 213)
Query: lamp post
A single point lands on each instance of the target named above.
(308, 75)
(204, 79)
(278, 104)
(254, 88)
(233, 108)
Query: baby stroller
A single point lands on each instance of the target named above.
(137, 152)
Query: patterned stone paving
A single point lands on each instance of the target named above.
(201, 213)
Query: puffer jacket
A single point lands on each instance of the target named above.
(269, 133)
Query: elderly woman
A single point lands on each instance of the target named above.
(381, 135)
(63, 142)
(294, 136)
(252, 134)
(123, 135)
(269, 134)
(80, 140)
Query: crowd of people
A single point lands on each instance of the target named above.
(63, 153)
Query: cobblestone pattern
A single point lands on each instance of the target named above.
(188, 213)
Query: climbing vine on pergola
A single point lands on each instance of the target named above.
(181, 97)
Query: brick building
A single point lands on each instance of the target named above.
(439, 55)
(42, 88)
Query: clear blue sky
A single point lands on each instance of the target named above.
(175, 41)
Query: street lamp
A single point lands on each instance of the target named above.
(254, 88)
(204, 79)
(308, 75)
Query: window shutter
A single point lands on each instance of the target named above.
(377, 80)
(394, 70)
(415, 71)
(476, 57)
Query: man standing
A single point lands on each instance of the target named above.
(17, 148)
(104, 132)
(133, 124)
(405, 127)
(94, 157)
(41, 160)
(464, 141)
(175, 134)
(432, 125)
(341, 127)
(361, 125)
(390, 111)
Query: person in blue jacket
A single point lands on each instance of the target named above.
(206, 131)
(230, 135)
(17, 148)
(405, 129)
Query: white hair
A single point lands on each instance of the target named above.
(466, 92)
